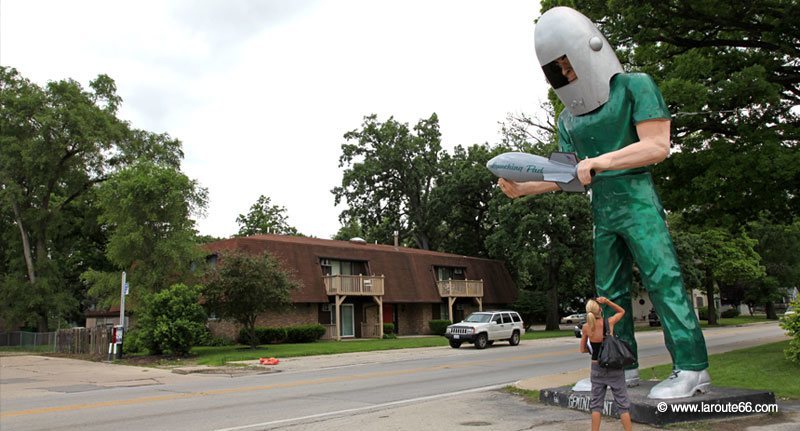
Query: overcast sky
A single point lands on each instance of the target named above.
(261, 92)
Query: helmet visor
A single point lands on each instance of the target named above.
(558, 71)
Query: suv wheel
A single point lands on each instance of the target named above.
(455, 344)
(514, 340)
(481, 342)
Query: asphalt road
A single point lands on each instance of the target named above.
(316, 393)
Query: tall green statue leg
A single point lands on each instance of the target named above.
(654, 253)
(613, 279)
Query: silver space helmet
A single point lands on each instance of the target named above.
(564, 32)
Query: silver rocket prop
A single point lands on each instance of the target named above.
(560, 168)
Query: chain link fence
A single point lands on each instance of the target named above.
(28, 341)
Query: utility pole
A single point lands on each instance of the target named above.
(123, 290)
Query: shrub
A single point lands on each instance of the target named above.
(172, 321)
(132, 342)
(389, 336)
(438, 327)
(733, 312)
(304, 333)
(791, 324)
(290, 334)
(388, 328)
(703, 313)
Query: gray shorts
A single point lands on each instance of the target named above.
(614, 379)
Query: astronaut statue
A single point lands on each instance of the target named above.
(618, 124)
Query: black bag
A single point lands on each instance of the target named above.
(614, 353)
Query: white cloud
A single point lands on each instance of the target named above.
(261, 93)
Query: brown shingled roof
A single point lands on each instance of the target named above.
(409, 272)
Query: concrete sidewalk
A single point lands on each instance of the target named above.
(25, 376)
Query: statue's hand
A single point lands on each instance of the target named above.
(587, 168)
(509, 188)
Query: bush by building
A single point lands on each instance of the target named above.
(439, 326)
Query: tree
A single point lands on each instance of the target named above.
(389, 174)
(725, 260)
(265, 218)
(147, 211)
(779, 248)
(730, 75)
(547, 242)
(172, 321)
(242, 287)
(350, 229)
(57, 143)
(460, 200)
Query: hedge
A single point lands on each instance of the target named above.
(439, 326)
(289, 334)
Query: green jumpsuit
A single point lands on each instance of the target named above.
(629, 221)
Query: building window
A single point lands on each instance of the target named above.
(699, 301)
(444, 273)
(343, 267)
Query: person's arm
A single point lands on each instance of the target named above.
(514, 189)
(652, 147)
(619, 311)
(584, 337)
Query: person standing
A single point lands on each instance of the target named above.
(593, 334)
(618, 124)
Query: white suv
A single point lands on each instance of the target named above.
(485, 327)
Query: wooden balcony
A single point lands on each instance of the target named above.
(363, 285)
(460, 288)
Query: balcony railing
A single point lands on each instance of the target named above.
(460, 288)
(367, 285)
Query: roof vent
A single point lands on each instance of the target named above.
(358, 240)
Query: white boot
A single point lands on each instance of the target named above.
(681, 384)
(631, 380)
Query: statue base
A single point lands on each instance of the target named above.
(718, 403)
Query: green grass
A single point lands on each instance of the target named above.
(740, 320)
(220, 355)
(27, 349)
(529, 394)
(761, 367)
(535, 335)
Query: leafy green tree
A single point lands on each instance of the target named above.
(350, 229)
(729, 73)
(791, 324)
(779, 248)
(460, 200)
(547, 242)
(241, 287)
(532, 306)
(725, 260)
(389, 174)
(57, 143)
(147, 210)
(264, 217)
(172, 321)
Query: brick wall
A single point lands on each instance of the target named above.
(301, 314)
(413, 319)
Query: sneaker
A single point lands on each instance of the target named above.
(681, 384)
